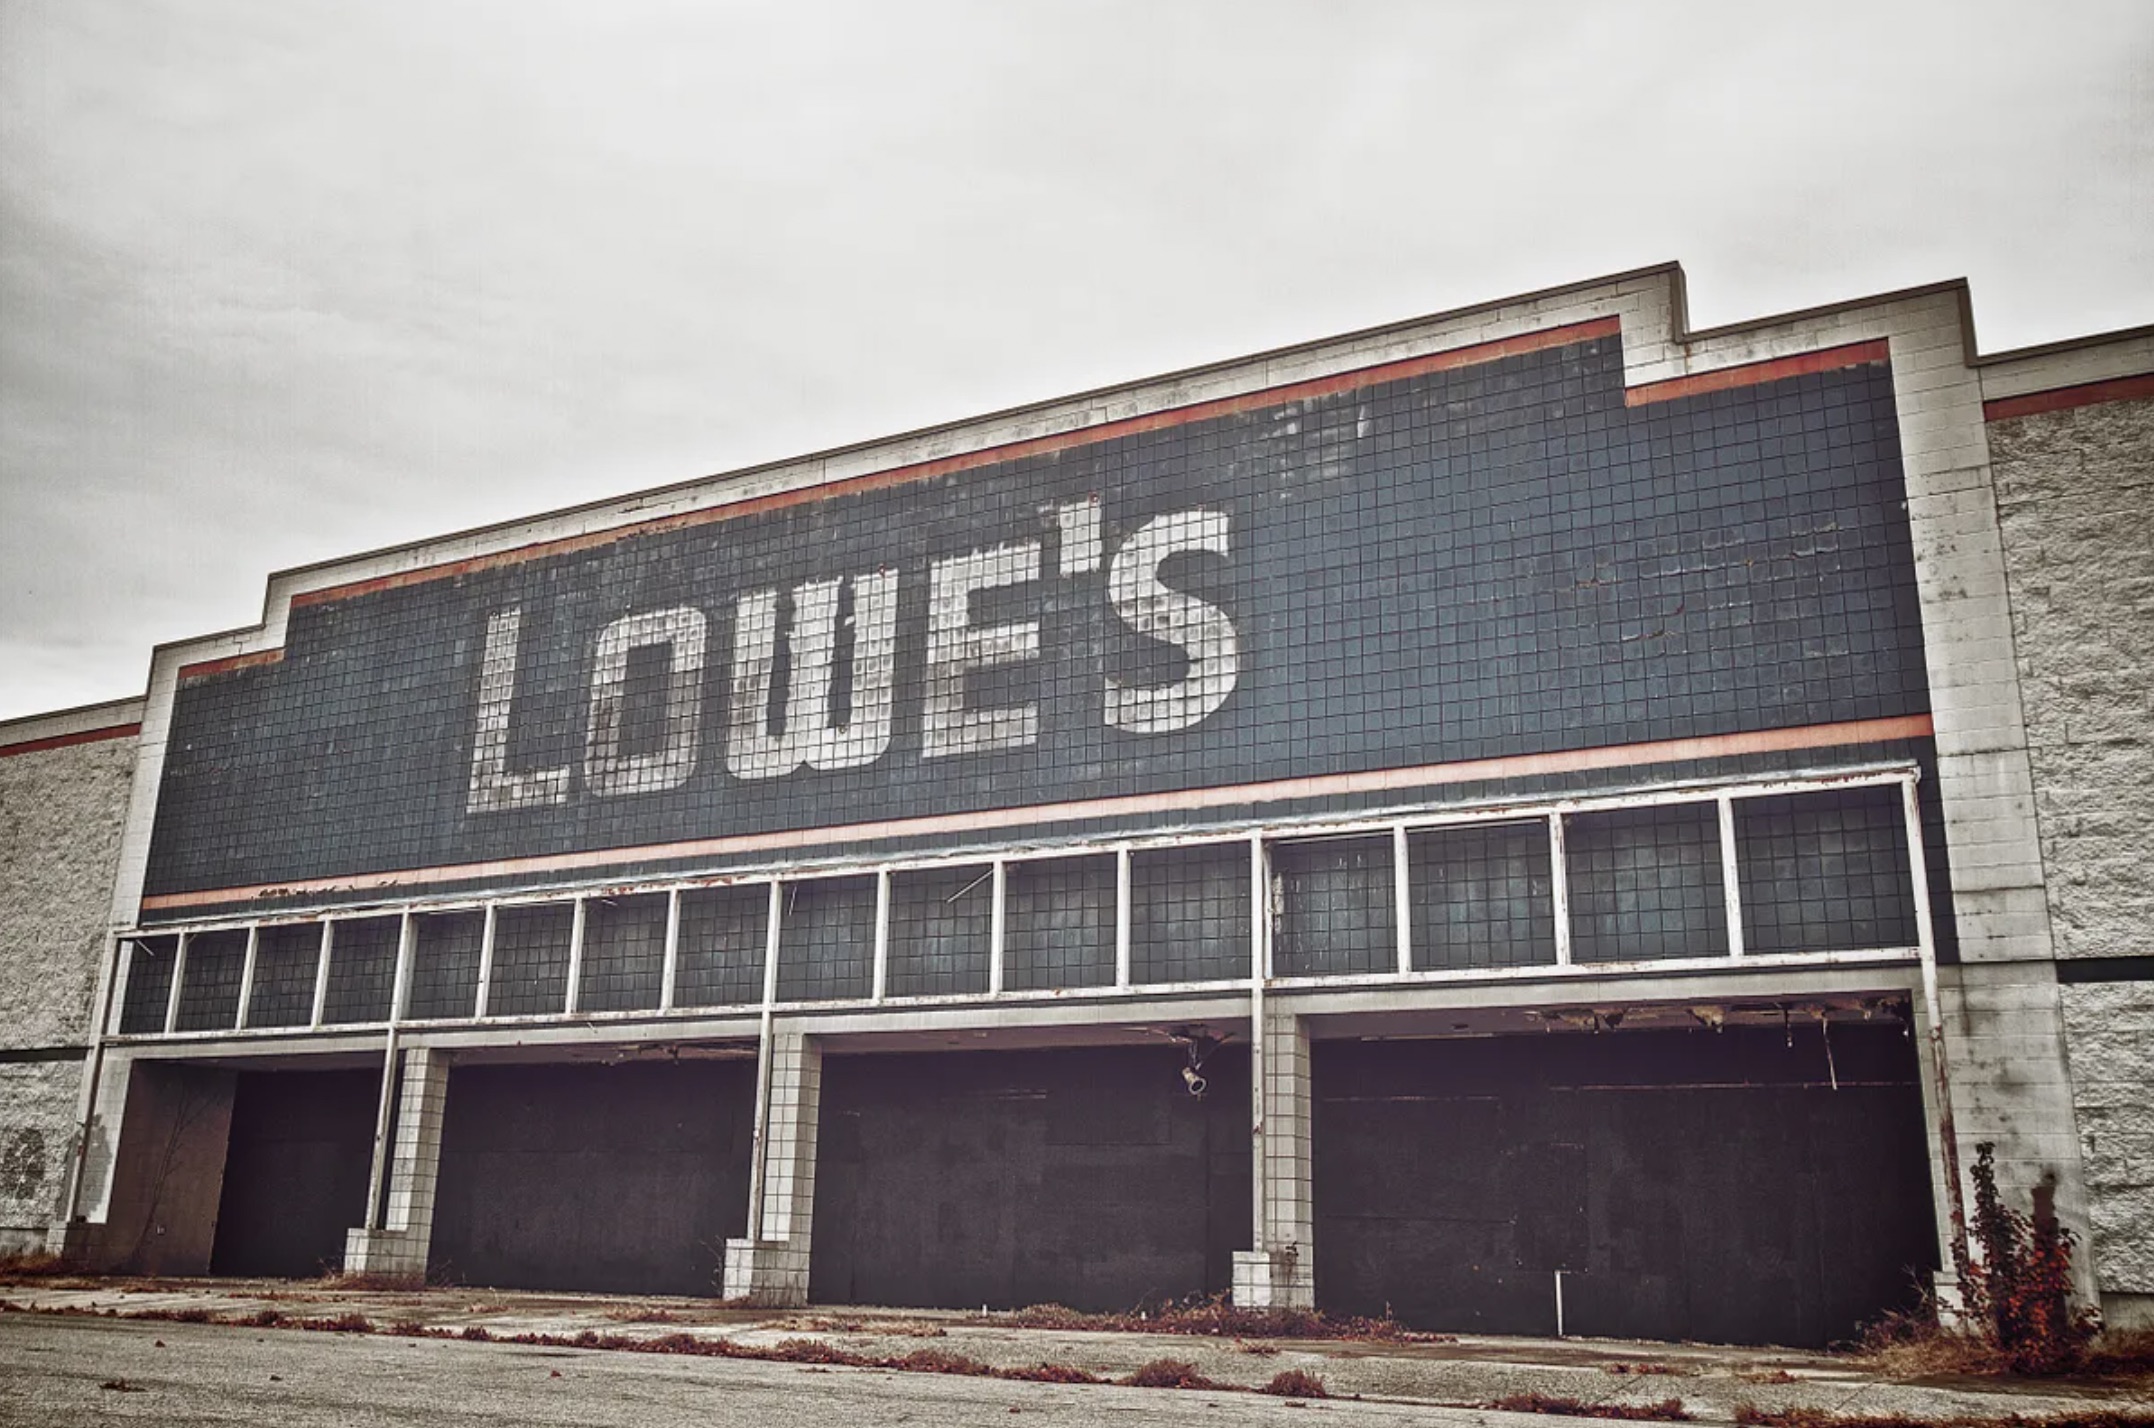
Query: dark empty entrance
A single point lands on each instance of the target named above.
(295, 1170)
(625, 1178)
(1690, 1185)
(1082, 1177)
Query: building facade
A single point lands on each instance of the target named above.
(1536, 818)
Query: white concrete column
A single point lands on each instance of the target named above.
(399, 1245)
(770, 1264)
(1281, 1271)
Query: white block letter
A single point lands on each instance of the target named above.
(807, 732)
(606, 770)
(493, 788)
(1201, 631)
(956, 647)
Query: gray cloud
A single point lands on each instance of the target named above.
(283, 282)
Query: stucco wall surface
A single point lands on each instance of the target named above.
(37, 1126)
(2075, 502)
(61, 812)
(2109, 1028)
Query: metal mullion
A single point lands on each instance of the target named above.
(122, 972)
(246, 975)
(882, 934)
(770, 943)
(1122, 894)
(1402, 904)
(407, 937)
(998, 927)
(1730, 881)
(1559, 876)
(759, 1156)
(179, 973)
(575, 957)
(483, 998)
(1259, 1099)
(322, 953)
(669, 977)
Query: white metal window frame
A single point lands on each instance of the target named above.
(1398, 826)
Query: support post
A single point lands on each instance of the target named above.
(1280, 1273)
(400, 1227)
(769, 1265)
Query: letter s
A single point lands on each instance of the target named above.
(1201, 631)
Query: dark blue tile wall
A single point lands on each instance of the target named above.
(1500, 559)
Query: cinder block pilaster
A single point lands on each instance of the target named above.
(2004, 1035)
(770, 1264)
(1281, 1271)
(400, 1244)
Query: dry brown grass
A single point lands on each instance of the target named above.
(1295, 1383)
(1751, 1416)
(1668, 1410)
(34, 1265)
(1777, 1375)
(1911, 1347)
(2121, 1353)
(884, 1328)
(337, 1281)
(1215, 1318)
(1168, 1373)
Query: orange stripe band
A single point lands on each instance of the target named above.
(226, 665)
(1750, 374)
(61, 741)
(1009, 451)
(1812, 736)
(2058, 399)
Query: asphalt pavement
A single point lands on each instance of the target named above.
(108, 1351)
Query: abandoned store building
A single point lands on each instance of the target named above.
(1537, 818)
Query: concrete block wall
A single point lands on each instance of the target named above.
(64, 782)
(37, 1138)
(2075, 502)
(2109, 1027)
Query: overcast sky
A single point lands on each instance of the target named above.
(283, 281)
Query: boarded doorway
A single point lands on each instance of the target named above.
(1084, 1177)
(625, 1178)
(295, 1171)
(1690, 1185)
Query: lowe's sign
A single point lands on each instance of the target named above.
(1459, 563)
(837, 640)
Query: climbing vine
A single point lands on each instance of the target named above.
(2018, 1295)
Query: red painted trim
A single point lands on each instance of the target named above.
(2061, 399)
(1475, 355)
(1813, 736)
(62, 741)
(210, 667)
(1750, 374)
